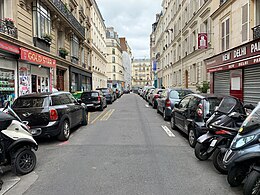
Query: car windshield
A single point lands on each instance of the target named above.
(252, 121)
(179, 94)
(227, 104)
(105, 90)
(31, 102)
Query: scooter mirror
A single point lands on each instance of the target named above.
(216, 108)
(6, 104)
(235, 115)
(25, 122)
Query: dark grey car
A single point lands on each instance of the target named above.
(167, 100)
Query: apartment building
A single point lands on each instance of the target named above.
(141, 72)
(127, 62)
(43, 44)
(177, 60)
(115, 68)
(99, 50)
(235, 67)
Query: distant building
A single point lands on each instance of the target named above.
(127, 63)
(141, 72)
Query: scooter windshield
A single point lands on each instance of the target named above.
(252, 122)
(227, 105)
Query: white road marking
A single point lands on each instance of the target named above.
(107, 115)
(169, 133)
(147, 106)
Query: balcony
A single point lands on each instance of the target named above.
(68, 15)
(256, 32)
(7, 27)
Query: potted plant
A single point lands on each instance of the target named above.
(9, 22)
(47, 37)
(63, 52)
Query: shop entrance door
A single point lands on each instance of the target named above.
(60, 80)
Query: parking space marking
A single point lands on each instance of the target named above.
(107, 115)
(167, 130)
(99, 116)
(88, 117)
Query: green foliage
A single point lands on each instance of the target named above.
(63, 51)
(204, 88)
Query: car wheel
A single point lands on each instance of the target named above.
(236, 175)
(166, 118)
(252, 184)
(217, 159)
(173, 122)
(84, 118)
(23, 161)
(65, 131)
(192, 137)
(201, 151)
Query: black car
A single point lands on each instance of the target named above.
(94, 99)
(51, 114)
(108, 93)
(190, 114)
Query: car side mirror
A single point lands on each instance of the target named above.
(176, 105)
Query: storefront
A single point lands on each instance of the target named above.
(237, 72)
(80, 80)
(36, 72)
(9, 55)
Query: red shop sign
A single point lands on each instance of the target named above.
(9, 47)
(36, 58)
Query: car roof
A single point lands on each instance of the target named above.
(205, 95)
(45, 94)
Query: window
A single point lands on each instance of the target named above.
(113, 51)
(82, 56)
(257, 20)
(114, 69)
(184, 103)
(74, 46)
(113, 59)
(225, 34)
(1, 9)
(32, 102)
(245, 22)
(41, 19)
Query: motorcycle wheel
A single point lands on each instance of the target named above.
(200, 151)
(217, 159)
(252, 184)
(236, 175)
(23, 161)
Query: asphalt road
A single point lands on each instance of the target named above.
(124, 150)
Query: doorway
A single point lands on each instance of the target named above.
(186, 79)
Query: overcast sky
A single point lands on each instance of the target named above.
(132, 19)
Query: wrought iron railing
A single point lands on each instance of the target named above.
(256, 32)
(67, 14)
(8, 28)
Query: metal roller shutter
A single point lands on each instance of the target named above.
(252, 85)
(222, 83)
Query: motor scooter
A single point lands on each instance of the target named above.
(229, 114)
(243, 157)
(16, 143)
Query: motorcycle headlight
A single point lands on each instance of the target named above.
(242, 141)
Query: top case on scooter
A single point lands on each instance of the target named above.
(5, 120)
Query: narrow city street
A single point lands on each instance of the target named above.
(126, 149)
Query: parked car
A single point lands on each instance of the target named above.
(146, 89)
(140, 91)
(190, 114)
(148, 94)
(167, 100)
(94, 99)
(154, 96)
(108, 93)
(51, 114)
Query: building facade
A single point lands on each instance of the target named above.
(141, 72)
(177, 60)
(99, 50)
(127, 62)
(234, 69)
(43, 45)
(115, 68)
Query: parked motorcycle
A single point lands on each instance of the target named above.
(16, 143)
(230, 114)
(243, 157)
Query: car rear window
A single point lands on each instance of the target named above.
(31, 102)
(179, 94)
(210, 104)
(89, 94)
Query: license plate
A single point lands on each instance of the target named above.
(213, 143)
(90, 104)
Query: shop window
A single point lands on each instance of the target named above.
(7, 83)
(74, 49)
(74, 82)
(225, 34)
